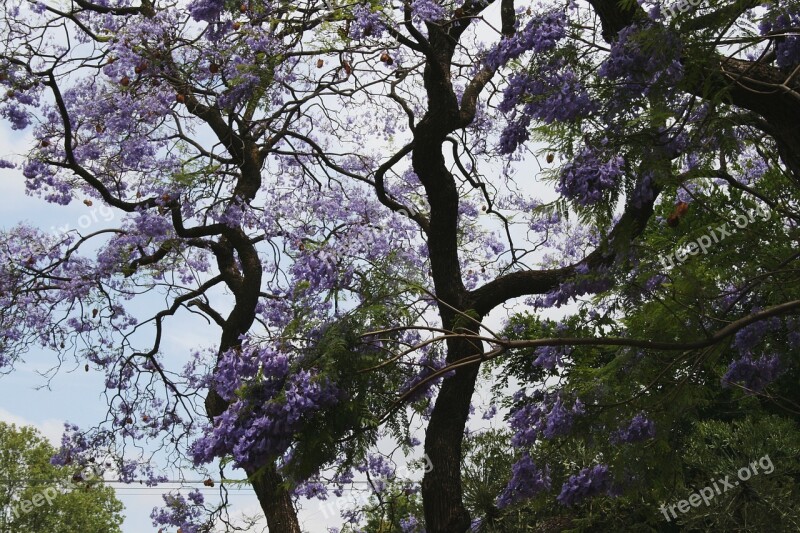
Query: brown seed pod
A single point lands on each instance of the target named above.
(94, 313)
(180, 98)
(550, 158)
(209, 482)
(681, 208)
(237, 25)
(125, 81)
(98, 128)
(141, 67)
(347, 67)
(673, 220)
(45, 143)
(243, 8)
(320, 63)
(86, 367)
(213, 68)
(88, 202)
(386, 58)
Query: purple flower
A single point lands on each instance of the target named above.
(366, 23)
(639, 429)
(427, 10)
(411, 524)
(587, 483)
(643, 59)
(206, 10)
(542, 415)
(589, 176)
(548, 357)
(527, 480)
(552, 93)
(750, 336)
(178, 512)
(780, 19)
(753, 375)
(541, 34)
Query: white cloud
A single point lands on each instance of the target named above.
(50, 428)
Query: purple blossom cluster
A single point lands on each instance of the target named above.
(587, 483)
(590, 175)
(428, 364)
(541, 415)
(548, 357)
(20, 98)
(783, 19)
(366, 23)
(553, 93)
(312, 489)
(427, 11)
(74, 446)
(640, 66)
(271, 405)
(639, 429)
(527, 480)
(177, 511)
(411, 524)
(750, 336)
(540, 34)
(206, 10)
(753, 375)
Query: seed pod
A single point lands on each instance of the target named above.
(94, 313)
(98, 128)
(141, 67)
(550, 158)
(125, 81)
(180, 98)
(320, 63)
(236, 25)
(86, 367)
(45, 143)
(209, 482)
(681, 208)
(386, 58)
(243, 8)
(213, 68)
(87, 202)
(673, 220)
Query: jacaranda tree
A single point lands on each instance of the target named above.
(344, 192)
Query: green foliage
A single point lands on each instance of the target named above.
(64, 505)
(704, 431)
